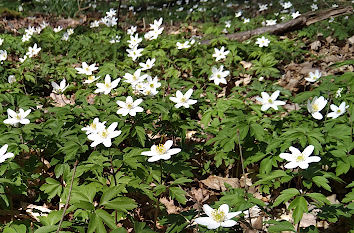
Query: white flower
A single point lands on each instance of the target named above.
(131, 30)
(161, 151)
(238, 14)
(91, 79)
(59, 88)
(65, 36)
(270, 101)
(218, 75)
(30, 30)
(86, 69)
(58, 29)
(263, 7)
(262, 42)
(1, 41)
(338, 92)
(15, 118)
(107, 86)
(115, 39)
(111, 13)
(271, 22)
(337, 111)
(314, 76)
(183, 100)
(70, 31)
(184, 45)
(227, 24)
(130, 106)
(316, 106)
(287, 5)
(156, 24)
(148, 65)
(246, 20)
(11, 79)
(151, 85)
(94, 24)
(217, 217)
(95, 127)
(295, 14)
(3, 55)
(134, 53)
(135, 78)
(298, 159)
(314, 7)
(104, 135)
(4, 155)
(26, 37)
(23, 59)
(33, 51)
(220, 54)
(134, 41)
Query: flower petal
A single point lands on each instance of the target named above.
(224, 208)
(308, 150)
(207, 209)
(228, 223)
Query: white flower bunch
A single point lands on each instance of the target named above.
(98, 133)
(155, 30)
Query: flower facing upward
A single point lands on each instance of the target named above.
(184, 45)
(218, 75)
(86, 69)
(59, 88)
(148, 65)
(4, 155)
(91, 79)
(262, 42)
(298, 159)
(33, 51)
(129, 106)
(314, 76)
(135, 52)
(95, 127)
(270, 101)
(104, 135)
(220, 54)
(337, 111)
(183, 100)
(15, 118)
(107, 86)
(217, 217)
(316, 106)
(161, 151)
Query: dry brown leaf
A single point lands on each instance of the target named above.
(217, 182)
(246, 64)
(351, 40)
(315, 45)
(61, 100)
(170, 206)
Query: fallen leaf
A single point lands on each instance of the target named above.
(217, 182)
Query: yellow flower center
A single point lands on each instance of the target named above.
(151, 85)
(104, 133)
(87, 69)
(93, 126)
(108, 85)
(218, 215)
(91, 77)
(183, 100)
(219, 76)
(18, 117)
(338, 111)
(300, 158)
(134, 78)
(270, 101)
(129, 106)
(160, 149)
(315, 107)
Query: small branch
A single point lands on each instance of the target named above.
(301, 21)
(118, 13)
(68, 200)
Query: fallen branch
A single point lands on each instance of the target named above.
(301, 21)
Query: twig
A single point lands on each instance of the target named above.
(68, 200)
(118, 13)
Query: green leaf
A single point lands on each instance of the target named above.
(46, 229)
(106, 218)
(109, 194)
(321, 181)
(299, 204)
(96, 224)
(141, 135)
(52, 187)
(280, 226)
(286, 195)
(318, 197)
(121, 203)
(181, 180)
(178, 194)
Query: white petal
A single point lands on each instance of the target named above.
(317, 115)
(154, 158)
(188, 94)
(294, 151)
(291, 165)
(233, 214)
(3, 149)
(275, 95)
(11, 113)
(224, 208)
(308, 150)
(312, 159)
(203, 220)
(303, 165)
(207, 209)
(148, 153)
(228, 223)
(168, 144)
(286, 156)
